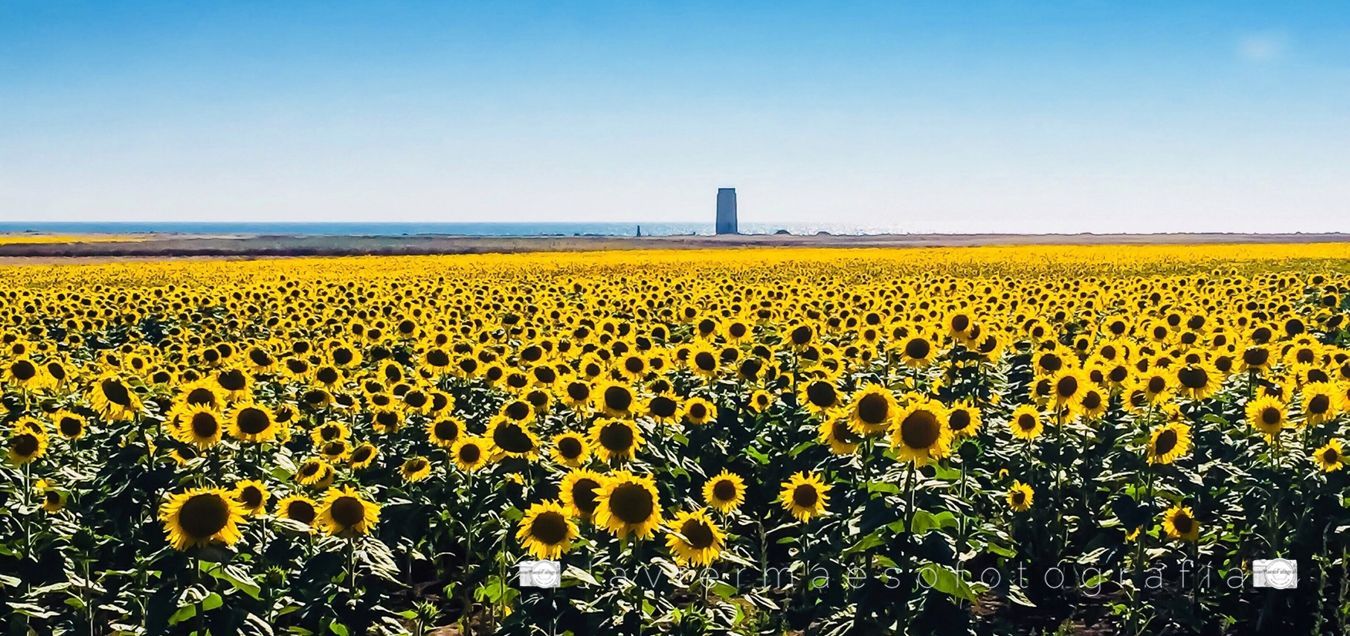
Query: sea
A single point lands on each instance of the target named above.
(457, 229)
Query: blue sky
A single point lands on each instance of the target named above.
(933, 116)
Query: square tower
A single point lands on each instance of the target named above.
(726, 211)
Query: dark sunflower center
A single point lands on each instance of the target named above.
(616, 436)
(583, 495)
(618, 398)
(70, 426)
(662, 406)
(1156, 384)
(1271, 416)
(470, 453)
(250, 496)
(1051, 362)
(1193, 378)
(960, 322)
(1167, 440)
(116, 392)
(698, 534)
(205, 425)
(512, 439)
(959, 420)
(1319, 404)
(918, 348)
(570, 447)
(415, 465)
(821, 394)
(24, 444)
(362, 453)
(1092, 400)
(631, 503)
(801, 335)
(347, 511)
(578, 391)
(1019, 497)
(724, 490)
(438, 358)
(1067, 386)
(874, 408)
(517, 410)
(23, 370)
(203, 515)
(253, 421)
(301, 511)
(232, 380)
(634, 364)
(805, 496)
(550, 528)
(51, 498)
(447, 430)
(1183, 523)
(1026, 422)
(309, 469)
(1255, 357)
(705, 361)
(921, 429)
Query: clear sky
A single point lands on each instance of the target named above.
(935, 116)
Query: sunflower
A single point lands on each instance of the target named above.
(703, 361)
(1020, 496)
(872, 410)
(1320, 402)
(698, 411)
(1094, 402)
(760, 401)
(804, 496)
(615, 440)
(663, 408)
(201, 516)
(615, 400)
(252, 496)
(1198, 380)
(628, 504)
(917, 350)
(444, 431)
(1066, 388)
(345, 513)
(68, 424)
(694, 538)
(518, 411)
(1330, 458)
(1168, 442)
(1180, 523)
(252, 422)
(363, 456)
(1266, 414)
(570, 449)
(725, 492)
(578, 492)
(576, 393)
(819, 396)
(199, 426)
(27, 444)
(113, 398)
(546, 531)
(314, 473)
(921, 433)
(470, 453)
(837, 433)
(53, 499)
(329, 431)
(963, 418)
(512, 438)
(23, 373)
(298, 508)
(1025, 422)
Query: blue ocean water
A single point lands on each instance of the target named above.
(410, 229)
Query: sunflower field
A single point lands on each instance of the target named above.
(758, 441)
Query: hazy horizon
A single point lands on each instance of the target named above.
(984, 117)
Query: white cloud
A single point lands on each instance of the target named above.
(1262, 47)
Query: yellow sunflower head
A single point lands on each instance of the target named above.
(725, 492)
(804, 496)
(344, 512)
(546, 530)
(694, 538)
(201, 516)
(628, 504)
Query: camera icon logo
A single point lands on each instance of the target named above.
(1279, 574)
(544, 574)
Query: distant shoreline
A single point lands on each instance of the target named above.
(156, 245)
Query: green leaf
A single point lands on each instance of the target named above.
(212, 601)
(924, 521)
(945, 580)
(338, 628)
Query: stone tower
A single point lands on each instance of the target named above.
(726, 211)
